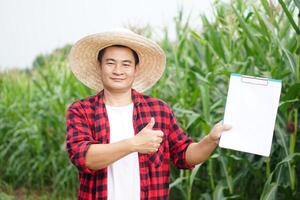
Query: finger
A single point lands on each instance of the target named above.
(226, 127)
(216, 135)
(156, 140)
(152, 150)
(156, 146)
(159, 133)
(159, 140)
(151, 123)
(218, 128)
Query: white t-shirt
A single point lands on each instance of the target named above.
(123, 175)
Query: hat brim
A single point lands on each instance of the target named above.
(83, 58)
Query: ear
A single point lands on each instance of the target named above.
(137, 69)
(99, 66)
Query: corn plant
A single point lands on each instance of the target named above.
(257, 38)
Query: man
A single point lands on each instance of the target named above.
(120, 140)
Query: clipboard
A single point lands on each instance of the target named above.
(251, 109)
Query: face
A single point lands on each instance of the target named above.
(118, 69)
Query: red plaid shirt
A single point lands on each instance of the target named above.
(87, 123)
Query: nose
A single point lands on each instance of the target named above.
(117, 69)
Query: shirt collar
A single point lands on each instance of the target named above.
(135, 95)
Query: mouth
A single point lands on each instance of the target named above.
(117, 79)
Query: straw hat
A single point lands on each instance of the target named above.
(85, 66)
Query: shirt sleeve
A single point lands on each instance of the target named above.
(79, 137)
(178, 143)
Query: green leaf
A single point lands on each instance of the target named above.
(227, 174)
(289, 16)
(291, 97)
(266, 7)
(293, 92)
(192, 177)
(297, 3)
(177, 182)
(289, 59)
(251, 36)
(269, 192)
(218, 192)
(198, 37)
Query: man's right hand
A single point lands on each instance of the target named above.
(147, 140)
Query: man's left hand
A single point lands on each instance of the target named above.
(217, 130)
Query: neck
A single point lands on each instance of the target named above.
(117, 99)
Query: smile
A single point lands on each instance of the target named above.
(117, 79)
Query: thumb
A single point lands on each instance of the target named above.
(226, 127)
(151, 123)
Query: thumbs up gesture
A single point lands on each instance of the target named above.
(148, 140)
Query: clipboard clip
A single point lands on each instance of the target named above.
(254, 80)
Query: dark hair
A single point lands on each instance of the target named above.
(102, 52)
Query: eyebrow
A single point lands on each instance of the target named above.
(111, 59)
(129, 61)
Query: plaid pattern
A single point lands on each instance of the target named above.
(87, 123)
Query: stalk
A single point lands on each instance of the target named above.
(293, 138)
(292, 149)
(210, 173)
(189, 189)
(298, 57)
(268, 168)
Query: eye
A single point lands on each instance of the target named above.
(126, 65)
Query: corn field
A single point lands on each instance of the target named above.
(258, 38)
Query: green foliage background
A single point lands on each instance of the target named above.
(256, 38)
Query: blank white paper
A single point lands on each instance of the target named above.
(251, 109)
